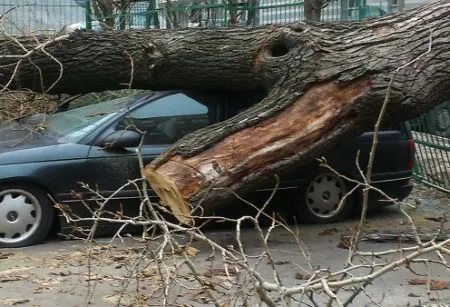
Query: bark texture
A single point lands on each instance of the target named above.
(323, 82)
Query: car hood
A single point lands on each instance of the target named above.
(25, 143)
(16, 136)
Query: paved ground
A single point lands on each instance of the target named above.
(56, 273)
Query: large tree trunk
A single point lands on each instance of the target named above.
(323, 81)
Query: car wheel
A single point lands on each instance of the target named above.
(320, 199)
(26, 216)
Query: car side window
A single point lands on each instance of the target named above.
(167, 119)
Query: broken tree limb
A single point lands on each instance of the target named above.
(240, 160)
(292, 136)
(323, 82)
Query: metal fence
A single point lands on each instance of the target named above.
(431, 130)
(52, 16)
(23, 17)
(195, 13)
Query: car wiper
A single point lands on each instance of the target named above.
(20, 118)
(98, 114)
(64, 106)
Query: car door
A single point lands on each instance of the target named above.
(162, 121)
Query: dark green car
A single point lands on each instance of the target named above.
(46, 157)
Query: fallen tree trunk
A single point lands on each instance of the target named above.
(323, 81)
(332, 86)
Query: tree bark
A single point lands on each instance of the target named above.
(323, 81)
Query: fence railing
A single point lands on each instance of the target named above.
(23, 17)
(184, 13)
(431, 130)
(52, 16)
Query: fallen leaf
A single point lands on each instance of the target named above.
(93, 278)
(15, 270)
(149, 272)
(191, 251)
(345, 242)
(10, 278)
(279, 262)
(329, 231)
(352, 228)
(119, 257)
(61, 273)
(116, 298)
(65, 273)
(332, 278)
(435, 284)
(4, 255)
(188, 250)
(41, 289)
(14, 301)
(439, 284)
(75, 195)
(436, 219)
(222, 272)
(416, 281)
(302, 275)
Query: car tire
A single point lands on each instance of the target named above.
(26, 215)
(319, 199)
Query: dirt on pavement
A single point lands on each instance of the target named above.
(59, 273)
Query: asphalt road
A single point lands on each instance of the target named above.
(59, 273)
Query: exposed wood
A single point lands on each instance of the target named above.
(323, 81)
(244, 156)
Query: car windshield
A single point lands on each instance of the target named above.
(72, 126)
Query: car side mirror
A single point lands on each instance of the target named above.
(122, 139)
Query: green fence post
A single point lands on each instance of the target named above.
(225, 17)
(251, 14)
(360, 7)
(88, 15)
(344, 9)
(151, 17)
(417, 171)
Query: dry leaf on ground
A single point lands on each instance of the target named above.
(279, 262)
(150, 272)
(329, 231)
(15, 270)
(188, 250)
(5, 255)
(222, 272)
(13, 277)
(436, 219)
(302, 275)
(435, 284)
(14, 301)
(345, 242)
